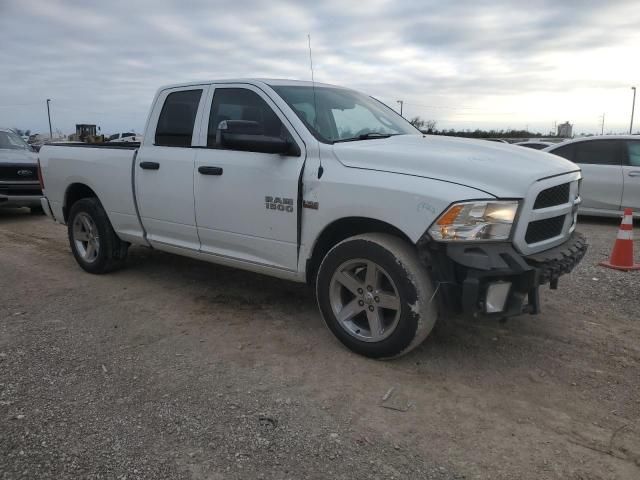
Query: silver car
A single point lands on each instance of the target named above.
(611, 172)
(19, 184)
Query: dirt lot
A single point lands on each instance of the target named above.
(174, 368)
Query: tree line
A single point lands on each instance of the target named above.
(429, 127)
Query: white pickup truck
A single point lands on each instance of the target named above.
(325, 185)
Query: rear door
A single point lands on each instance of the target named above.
(164, 168)
(601, 164)
(631, 175)
(247, 201)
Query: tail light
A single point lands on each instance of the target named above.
(40, 177)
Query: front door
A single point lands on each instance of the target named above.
(631, 175)
(164, 169)
(247, 201)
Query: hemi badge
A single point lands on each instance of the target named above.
(310, 204)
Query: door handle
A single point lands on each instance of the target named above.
(634, 173)
(210, 170)
(149, 165)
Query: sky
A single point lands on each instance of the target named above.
(465, 64)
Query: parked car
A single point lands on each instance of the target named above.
(611, 168)
(19, 184)
(535, 144)
(124, 137)
(325, 185)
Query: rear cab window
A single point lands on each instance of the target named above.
(177, 118)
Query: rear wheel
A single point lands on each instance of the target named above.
(375, 295)
(94, 244)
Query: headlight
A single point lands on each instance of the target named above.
(466, 221)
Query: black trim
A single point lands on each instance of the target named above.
(464, 271)
(299, 211)
(209, 170)
(135, 197)
(116, 145)
(558, 174)
(149, 165)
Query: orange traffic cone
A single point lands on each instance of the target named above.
(622, 253)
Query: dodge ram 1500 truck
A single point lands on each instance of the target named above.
(322, 184)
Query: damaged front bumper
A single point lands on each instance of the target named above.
(493, 279)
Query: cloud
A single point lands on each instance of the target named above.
(465, 64)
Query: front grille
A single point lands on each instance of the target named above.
(18, 172)
(540, 230)
(17, 190)
(553, 196)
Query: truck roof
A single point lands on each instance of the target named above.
(255, 81)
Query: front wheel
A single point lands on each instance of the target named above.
(94, 244)
(376, 296)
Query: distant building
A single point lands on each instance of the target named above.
(565, 130)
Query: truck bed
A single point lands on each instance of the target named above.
(107, 169)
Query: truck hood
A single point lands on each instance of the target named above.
(502, 170)
(17, 156)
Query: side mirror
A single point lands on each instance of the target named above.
(248, 136)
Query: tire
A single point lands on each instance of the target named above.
(399, 305)
(36, 210)
(94, 244)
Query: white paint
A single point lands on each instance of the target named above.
(625, 235)
(405, 181)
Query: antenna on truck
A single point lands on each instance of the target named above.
(315, 106)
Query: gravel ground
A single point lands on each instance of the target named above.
(174, 368)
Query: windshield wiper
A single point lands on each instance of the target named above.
(367, 136)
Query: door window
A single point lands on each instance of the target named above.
(598, 152)
(177, 118)
(242, 104)
(633, 150)
(566, 151)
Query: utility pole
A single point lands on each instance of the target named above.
(602, 131)
(49, 115)
(401, 102)
(633, 107)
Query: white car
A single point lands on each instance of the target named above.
(325, 185)
(19, 184)
(611, 169)
(124, 137)
(535, 144)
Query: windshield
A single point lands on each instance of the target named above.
(343, 115)
(11, 141)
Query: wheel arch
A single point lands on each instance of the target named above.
(74, 192)
(341, 229)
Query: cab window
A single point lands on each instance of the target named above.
(177, 118)
(242, 104)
